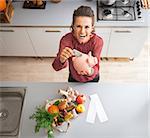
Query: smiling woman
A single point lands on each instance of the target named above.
(82, 29)
(83, 39)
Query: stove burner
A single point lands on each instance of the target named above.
(125, 2)
(126, 13)
(105, 5)
(121, 10)
(107, 12)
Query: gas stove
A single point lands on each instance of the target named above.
(121, 10)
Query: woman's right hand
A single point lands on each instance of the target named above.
(65, 54)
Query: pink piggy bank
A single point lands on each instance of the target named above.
(83, 63)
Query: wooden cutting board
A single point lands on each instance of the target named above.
(146, 4)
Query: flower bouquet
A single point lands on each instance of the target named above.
(57, 113)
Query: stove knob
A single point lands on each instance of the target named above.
(137, 2)
(139, 13)
(138, 6)
(138, 9)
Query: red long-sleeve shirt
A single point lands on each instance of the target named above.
(94, 45)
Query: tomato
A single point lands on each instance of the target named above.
(80, 99)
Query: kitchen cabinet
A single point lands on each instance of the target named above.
(104, 33)
(126, 42)
(1, 45)
(14, 41)
(46, 40)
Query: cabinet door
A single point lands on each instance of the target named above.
(126, 42)
(104, 33)
(15, 42)
(2, 44)
(46, 40)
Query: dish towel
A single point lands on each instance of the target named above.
(96, 107)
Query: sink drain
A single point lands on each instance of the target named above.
(3, 114)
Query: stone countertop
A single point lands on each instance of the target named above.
(60, 15)
(126, 105)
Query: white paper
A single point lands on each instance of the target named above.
(91, 113)
(96, 107)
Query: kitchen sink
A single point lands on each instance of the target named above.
(11, 103)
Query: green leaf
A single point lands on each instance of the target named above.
(56, 103)
(60, 119)
(37, 128)
(43, 120)
(50, 134)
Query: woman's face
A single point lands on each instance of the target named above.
(83, 28)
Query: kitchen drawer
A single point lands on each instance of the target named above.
(46, 40)
(104, 33)
(15, 42)
(126, 42)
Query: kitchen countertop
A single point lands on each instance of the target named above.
(126, 106)
(60, 15)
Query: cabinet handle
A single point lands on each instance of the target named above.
(6, 30)
(126, 31)
(52, 31)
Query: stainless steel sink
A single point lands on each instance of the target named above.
(11, 103)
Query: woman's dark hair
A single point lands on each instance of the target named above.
(83, 11)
